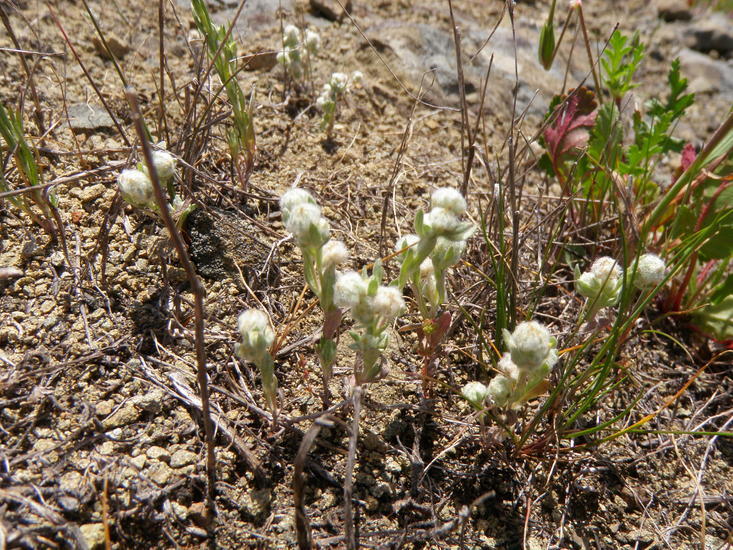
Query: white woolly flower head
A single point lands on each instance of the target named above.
(256, 332)
(450, 199)
(387, 303)
(508, 368)
(427, 269)
(338, 83)
(165, 164)
(293, 197)
(349, 290)
(291, 36)
(602, 284)
(406, 241)
(334, 253)
(312, 41)
(447, 252)
(606, 268)
(441, 221)
(136, 187)
(475, 393)
(357, 77)
(301, 217)
(500, 390)
(650, 271)
(530, 346)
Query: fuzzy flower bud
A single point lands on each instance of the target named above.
(165, 164)
(650, 271)
(427, 269)
(406, 241)
(349, 289)
(312, 41)
(357, 77)
(387, 303)
(475, 393)
(338, 83)
(449, 199)
(257, 334)
(531, 346)
(500, 389)
(300, 219)
(293, 197)
(602, 284)
(334, 253)
(447, 253)
(291, 36)
(136, 188)
(442, 221)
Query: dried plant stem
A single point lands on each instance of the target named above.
(349, 475)
(596, 79)
(198, 291)
(302, 526)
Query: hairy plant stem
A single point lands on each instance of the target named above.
(199, 292)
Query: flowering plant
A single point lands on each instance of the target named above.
(331, 94)
(257, 337)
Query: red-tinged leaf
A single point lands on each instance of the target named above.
(688, 156)
(569, 133)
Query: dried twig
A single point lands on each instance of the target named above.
(198, 291)
(302, 526)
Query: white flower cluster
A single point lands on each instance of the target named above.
(256, 333)
(135, 185)
(298, 47)
(331, 93)
(257, 337)
(603, 283)
(370, 304)
(302, 217)
(650, 271)
(439, 244)
(523, 369)
(443, 219)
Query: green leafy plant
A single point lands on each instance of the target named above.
(222, 50)
(11, 130)
(620, 62)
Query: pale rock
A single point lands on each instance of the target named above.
(158, 453)
(183, 458)
(126, 414)
(150, 401)
(93, 534)
(160, 473)
(139, 461)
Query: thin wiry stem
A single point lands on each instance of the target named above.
(199, 292)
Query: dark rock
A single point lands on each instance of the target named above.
(222, 244)
(262, 60)
(715, 32)
(116, 47)
(673, 10)
(331, 9)
(86, 117)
